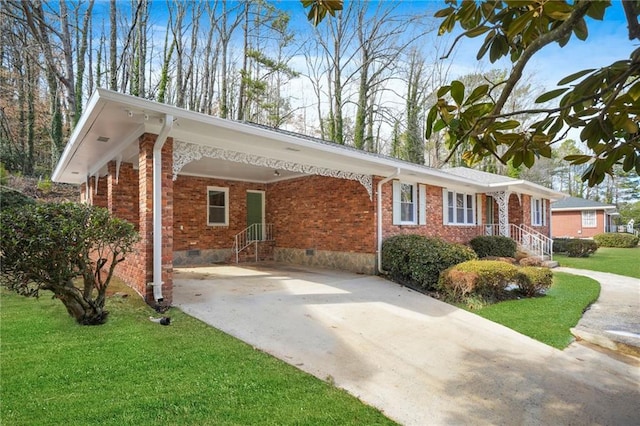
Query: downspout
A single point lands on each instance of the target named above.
(379, 195)
(157, 207)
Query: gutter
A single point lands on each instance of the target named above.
(157, 207)
(379, 212)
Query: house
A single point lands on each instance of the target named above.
(202, 189)
(575, 217)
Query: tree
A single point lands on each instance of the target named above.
(68, 249)
(602, 103)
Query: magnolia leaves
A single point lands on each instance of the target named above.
(602, 104)
(320, 8)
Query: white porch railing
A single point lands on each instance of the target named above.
(252, 235)
(526, 237)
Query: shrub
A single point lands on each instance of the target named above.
(560, 244)
(616, 240)
(530, 261)
(493, 245)
(417, 261)
(532, 280)
(487, 279)
(581, 248)
(13, 198)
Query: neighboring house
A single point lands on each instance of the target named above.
(580, 218)
(225, 187)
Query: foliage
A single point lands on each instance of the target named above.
(319, 9)
(493, 245)
(4, 175)
(602, 103)
(10, 198)
(581, 248)
(45, 185)
(416, 260)
(560, 245)
(619, 240)
(533, 280)
(55, 246)
(486, 279)
(133, 372)
(548, 319)
(621, 261)
(630, 211)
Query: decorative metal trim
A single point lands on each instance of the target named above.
(502, 199)
(185, 152)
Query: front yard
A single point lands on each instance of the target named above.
(132, 371)
(548, 318)
(621, 261)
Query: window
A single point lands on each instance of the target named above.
(409, 203)
(217, 206)
(538, 212)
(459, 208)
(589, 219)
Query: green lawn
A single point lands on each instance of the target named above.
(549, 318)
(131, 371)
(621, 261)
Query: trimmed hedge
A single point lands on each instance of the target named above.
(616, 240)
(10, 197)
(417, 261)
(493, 245)
(581, 248)
(560, 244)
(487, 279)
(533, 280)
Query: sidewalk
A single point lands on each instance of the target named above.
(613, 321)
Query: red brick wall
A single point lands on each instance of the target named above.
(434, 226)
(569, 224)
(519, 213)
(122, 197)
(190, 213)
(137, 270)
(322, 213)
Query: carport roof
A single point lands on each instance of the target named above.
(112, 123)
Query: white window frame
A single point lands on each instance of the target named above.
(450, 211)
(418, 204)
(590, 220)
(226, 205)
(538, 212)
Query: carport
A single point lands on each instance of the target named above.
(417, 359)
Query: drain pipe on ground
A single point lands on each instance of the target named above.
(379, 195)
(157, 207)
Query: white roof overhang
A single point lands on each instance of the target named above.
(112, 123)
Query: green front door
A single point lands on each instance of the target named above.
(255, 215)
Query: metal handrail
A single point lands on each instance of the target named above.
(250, 235)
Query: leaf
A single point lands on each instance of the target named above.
(519, 24)
(574, 76)
(577, 159)
(444, 12)
(457, 91)
(580, 29)
(499, 48)
(506, 125)
(486, 44)
(475, 32)
(443, 91)
(634, 91)
(477, 93)
(596, 9)
(630, 126)
(557, 10)
(550, 95)
(431, 118)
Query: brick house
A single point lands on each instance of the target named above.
(232, 190)
(580, 218)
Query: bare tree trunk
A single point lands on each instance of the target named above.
(113, 47)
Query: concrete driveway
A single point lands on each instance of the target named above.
(420, 361)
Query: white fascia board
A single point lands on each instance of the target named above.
(80, 130)
(578, 209)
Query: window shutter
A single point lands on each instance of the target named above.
(445, 210)
(396, 202)
(533, 211)
(544, 212)
(422, 204)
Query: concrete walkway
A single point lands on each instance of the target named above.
(613, 322)
(420, 361)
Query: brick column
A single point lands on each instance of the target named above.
(122, 196)
(145, 174)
